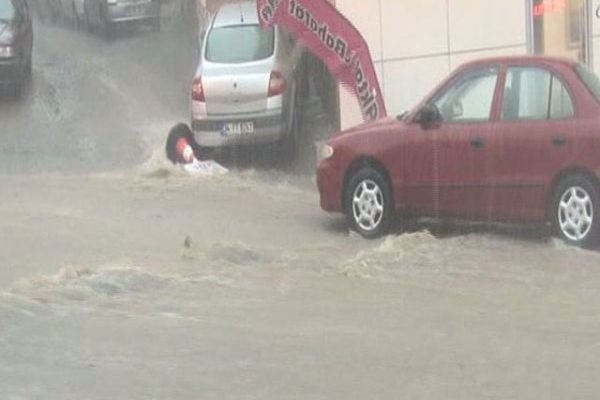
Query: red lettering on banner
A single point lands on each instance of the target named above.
(332, 38)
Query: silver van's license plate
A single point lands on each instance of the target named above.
(237, 128)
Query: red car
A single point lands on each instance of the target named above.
(503, 139)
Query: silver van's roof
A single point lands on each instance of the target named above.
(239, 13)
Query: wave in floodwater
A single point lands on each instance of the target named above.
(120, 287)
(158, 168)
(157, 165)
(179, 288)
(479, 256)
(88, 285)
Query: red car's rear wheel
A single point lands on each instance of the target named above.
(575, 210)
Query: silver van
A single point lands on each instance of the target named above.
(246, 84)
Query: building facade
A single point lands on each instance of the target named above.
(416, 43)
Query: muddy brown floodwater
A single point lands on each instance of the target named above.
(122, 278)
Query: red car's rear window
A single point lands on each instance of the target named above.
(590, 79)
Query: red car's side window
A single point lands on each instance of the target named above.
(470, 97)
(535, 94)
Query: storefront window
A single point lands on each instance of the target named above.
(559, 28)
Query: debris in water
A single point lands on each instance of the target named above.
(182, 150)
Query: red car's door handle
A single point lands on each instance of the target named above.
(559, 141)
(477, 143)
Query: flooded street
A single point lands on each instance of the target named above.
(123, 278)
(101, 105)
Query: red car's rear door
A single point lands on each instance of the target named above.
(532, 142)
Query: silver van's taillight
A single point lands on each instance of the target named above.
(198, 90)
(276, 84)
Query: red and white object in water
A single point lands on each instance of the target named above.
(185, 152)
(189, 162)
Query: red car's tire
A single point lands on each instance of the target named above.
(576, 211)
(369, 204)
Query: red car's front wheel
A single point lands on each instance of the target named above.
(369, 203)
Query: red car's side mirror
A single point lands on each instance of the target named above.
(429, 115)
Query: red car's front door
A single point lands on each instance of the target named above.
(532, 142)
(446, 163)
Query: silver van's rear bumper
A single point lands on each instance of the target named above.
(269, 127)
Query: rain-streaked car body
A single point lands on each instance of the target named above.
(504, 139)
(105, 15)
(246, 84)
(16, 43)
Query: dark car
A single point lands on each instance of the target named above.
(16, 42)
(505, 139)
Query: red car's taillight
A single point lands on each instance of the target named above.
(276, 84)
(198, 90)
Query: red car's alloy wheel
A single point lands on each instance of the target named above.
(368, 205)
(576, 213)
(369, 202)
(575, 203)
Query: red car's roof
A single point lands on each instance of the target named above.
(522, 60)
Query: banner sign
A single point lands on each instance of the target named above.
(332, 38)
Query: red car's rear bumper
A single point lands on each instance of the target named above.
(330, 182)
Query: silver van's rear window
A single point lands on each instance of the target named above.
(239, 44)
(7, 10)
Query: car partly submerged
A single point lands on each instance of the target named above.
(513, 139)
